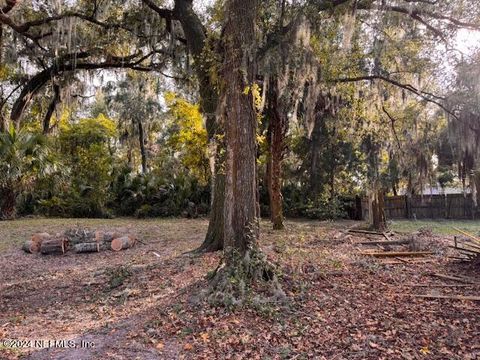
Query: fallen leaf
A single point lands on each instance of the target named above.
(205, 337)
(425, 350)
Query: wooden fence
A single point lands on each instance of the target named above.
(451, 206)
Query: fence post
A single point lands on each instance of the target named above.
(445, 204)
(408, 212)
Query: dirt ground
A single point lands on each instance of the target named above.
(143, 303)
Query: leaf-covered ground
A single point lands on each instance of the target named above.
(143, 303)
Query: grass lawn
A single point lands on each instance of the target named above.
(443, 227)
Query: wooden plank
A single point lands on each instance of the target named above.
(396, 253)
(449, 297)
(387, 261)
(441, 285)
(365, 232)
(453, 278)
(466, 250)
(471, 245)
(384, 242)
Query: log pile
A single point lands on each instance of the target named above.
(79, 240)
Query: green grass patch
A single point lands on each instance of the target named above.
(440, 227)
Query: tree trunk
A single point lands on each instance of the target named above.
(3, 119)
(333, 168)
(51, 108)
(476, 193)
(241, 228)
(8, 199)
(196, 37)
(377, 217)
(376, 194)
(215, 234)
(243, 264)
(316, 141)
(278, 127)
(143, 152)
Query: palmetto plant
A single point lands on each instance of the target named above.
(23, 158)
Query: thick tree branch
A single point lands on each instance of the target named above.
(68, 63)
(10, 4)
(167, 14)
(416, 13)
(392, 123)
(51, 108)
(429, 97)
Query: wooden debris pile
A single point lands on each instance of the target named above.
(79, 240)
(467, 246)
(441, 290)
(389, 248)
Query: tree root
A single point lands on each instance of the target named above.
(242, 280)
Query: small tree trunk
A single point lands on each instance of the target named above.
(378, 221)
(316, 141)
(8, 199)
(278, 126)
(143, 152)
(215, 233)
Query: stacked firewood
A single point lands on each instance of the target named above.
(79, 240)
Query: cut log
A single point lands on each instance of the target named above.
(111, 235)
(99, 236)
(31, 247)
(122, 243)
(87, 247)
(396, 253)
(79, 235)
(53, 246)
(39, 237)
